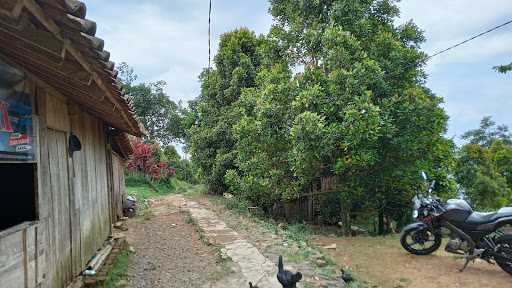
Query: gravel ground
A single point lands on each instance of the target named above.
(168, 252)
(384, 263)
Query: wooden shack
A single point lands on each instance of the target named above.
(63, 139)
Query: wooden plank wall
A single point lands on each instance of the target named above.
(90, 182)
(60, 220)
(118, 187)
(74, 200)
(54, 166)
(45, 270)
(19, 261)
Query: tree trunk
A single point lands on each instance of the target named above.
(346, 220)
(381, 223)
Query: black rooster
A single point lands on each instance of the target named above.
(346, 276)
(285, 277)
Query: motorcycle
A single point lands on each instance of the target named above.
(472, 234)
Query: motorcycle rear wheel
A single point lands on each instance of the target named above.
(504, 246)
(420, 237)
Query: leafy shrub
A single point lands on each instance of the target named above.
(135, 178)
(330, 211)
(238, 204)
(164, 186)
(145, 160)
(299, 232)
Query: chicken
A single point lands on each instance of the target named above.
(287, 278)
(346, 276)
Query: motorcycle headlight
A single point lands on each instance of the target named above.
(415, 214)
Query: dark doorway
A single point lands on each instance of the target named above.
(18, 194)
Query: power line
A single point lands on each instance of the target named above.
(209, 35)
(209, 46)
(468, 40)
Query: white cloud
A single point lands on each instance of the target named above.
(463, 76)
(169, 40)
(448, 19)
(449, 22)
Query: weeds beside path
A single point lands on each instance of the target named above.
(272, 240)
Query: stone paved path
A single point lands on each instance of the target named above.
(254, 267)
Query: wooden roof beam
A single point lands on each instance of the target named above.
(37, 11)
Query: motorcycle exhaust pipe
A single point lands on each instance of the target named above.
(461, 234)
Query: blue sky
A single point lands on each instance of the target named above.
(167, 40)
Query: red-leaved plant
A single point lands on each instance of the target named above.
(143, 160)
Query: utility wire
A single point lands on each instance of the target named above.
(468, 40)
(209, 46)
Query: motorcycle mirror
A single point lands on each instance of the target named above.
(424, 175)
(431, 187)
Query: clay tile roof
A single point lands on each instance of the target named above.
(67, 20)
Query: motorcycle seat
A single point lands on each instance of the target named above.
(477, 218)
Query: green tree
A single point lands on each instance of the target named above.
(211, 140)
(480, 177)
(487, 133)
(263, 142)
(504, 68)
(484, 165)
(161, 117)
(363, 83)
(359, 111)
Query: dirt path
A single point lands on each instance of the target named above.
(168, 252)
(383, 262)
(253, 266)
(171, 251)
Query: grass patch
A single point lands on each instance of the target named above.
(119, 270)
(142, 193)
(298, 232)
(357, 283)
(142, 189)
(191, 221)
(190, 190)
(137, 179)
(238, 205)
(223, 266)
(328, 272)
(302, 255)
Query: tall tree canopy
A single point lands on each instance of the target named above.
(211, 140)
(358, 111)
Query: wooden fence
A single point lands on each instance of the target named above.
(308, 206)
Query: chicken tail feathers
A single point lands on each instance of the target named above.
(280, 265)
